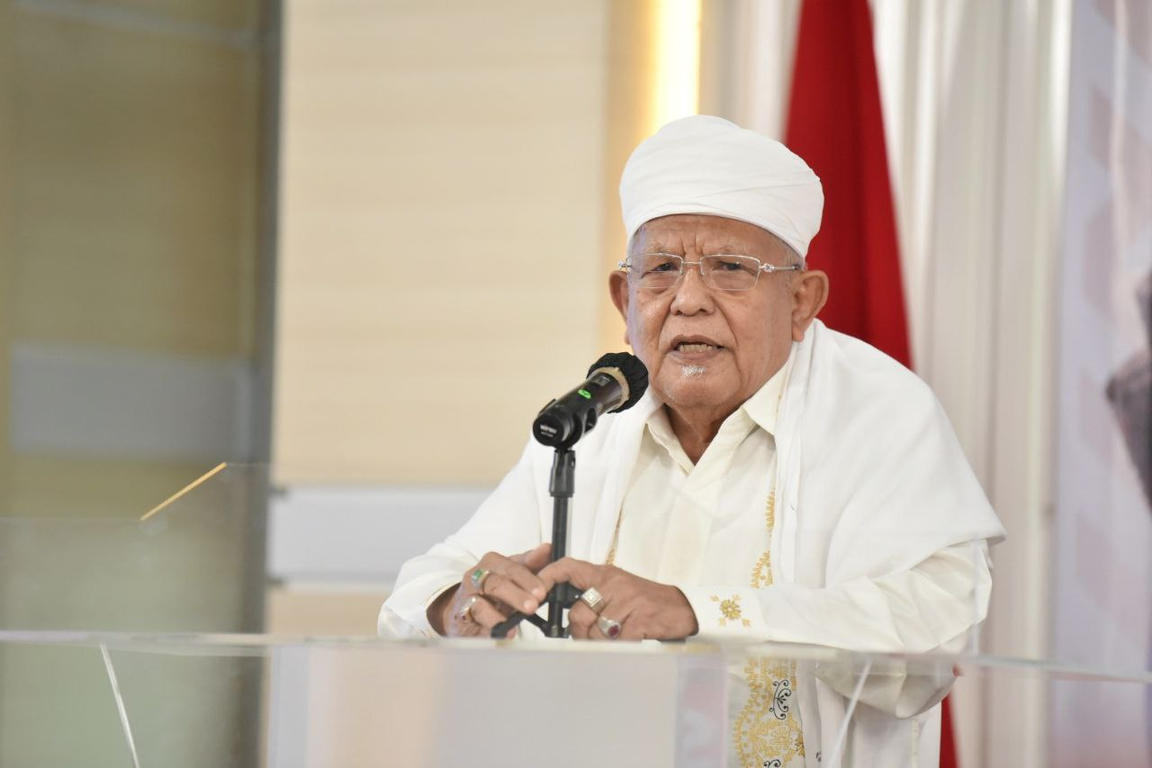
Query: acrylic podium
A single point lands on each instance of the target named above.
(125, 642)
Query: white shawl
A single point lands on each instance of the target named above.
(871, 486)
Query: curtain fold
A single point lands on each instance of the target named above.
(974, 98)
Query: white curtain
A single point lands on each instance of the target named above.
(974, 96)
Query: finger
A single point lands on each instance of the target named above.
(516, 574)
(486, 615)
(498, 581)
(597, 632)
(581, 621)
(501, 588)
(535, 559)
(459, 623)
(633, 625)
(500, 605)
(523, 557)
(577, 572)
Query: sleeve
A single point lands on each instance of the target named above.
(931, 607)
(507, 522)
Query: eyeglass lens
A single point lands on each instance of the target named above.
(657, 271)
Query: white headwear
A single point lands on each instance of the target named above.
(707, 165)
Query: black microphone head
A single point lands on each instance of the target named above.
(633, 371)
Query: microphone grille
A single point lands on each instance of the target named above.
(634, 373)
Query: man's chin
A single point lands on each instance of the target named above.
(692, 386)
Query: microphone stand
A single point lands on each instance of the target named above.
(561, 487)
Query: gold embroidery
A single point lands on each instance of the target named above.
(611, 559)
(730, 610)
(767, 732)
(762, 571)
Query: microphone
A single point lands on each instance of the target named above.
(615, 383)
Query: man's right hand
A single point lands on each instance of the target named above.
(510, 585)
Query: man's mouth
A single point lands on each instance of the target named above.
(696, 346)
(694, 350)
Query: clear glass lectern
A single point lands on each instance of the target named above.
(135, 641)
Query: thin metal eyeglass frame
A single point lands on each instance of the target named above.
(625, 265)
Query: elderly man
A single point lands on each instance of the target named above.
(779, 481)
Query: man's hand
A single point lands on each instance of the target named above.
(643, 608)
(509, 584)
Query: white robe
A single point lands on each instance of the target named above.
(878, 543)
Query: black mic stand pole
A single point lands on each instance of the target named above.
(561, 487)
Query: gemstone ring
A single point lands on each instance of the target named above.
(478, 577)
(465, 612)
(593, 599)
(610, 628)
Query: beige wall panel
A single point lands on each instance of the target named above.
(133, 187)
(298, 612)
(441, 267)
(93, 488)
(630, 118)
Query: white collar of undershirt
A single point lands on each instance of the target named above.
(759, 410)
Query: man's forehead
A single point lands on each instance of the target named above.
(716, 233)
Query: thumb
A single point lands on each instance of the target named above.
(535, 559)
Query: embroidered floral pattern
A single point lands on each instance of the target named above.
(762, 571)
(730, 610)
(764, 733)
(781, 693)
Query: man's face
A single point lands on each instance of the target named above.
(707, 348)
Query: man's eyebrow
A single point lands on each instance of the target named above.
(729, 248)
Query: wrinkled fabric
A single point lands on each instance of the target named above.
(879, 542)
(707, 165)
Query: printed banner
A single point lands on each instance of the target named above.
(1103, 565)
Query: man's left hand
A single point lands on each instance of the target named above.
(643, 609)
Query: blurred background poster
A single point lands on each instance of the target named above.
(1104, 511)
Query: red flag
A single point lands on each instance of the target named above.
(835, 123)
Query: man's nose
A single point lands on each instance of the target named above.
(691, 295)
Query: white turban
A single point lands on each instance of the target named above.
(707, 165)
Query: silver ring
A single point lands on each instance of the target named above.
(465, 612)
(479, 576)
(593, 599)
(609, 627)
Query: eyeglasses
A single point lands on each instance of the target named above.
(721, 271)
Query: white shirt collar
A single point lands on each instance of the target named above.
(764, 406)
(760, 409)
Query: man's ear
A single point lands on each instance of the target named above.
(809, 293)
(618, 289)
